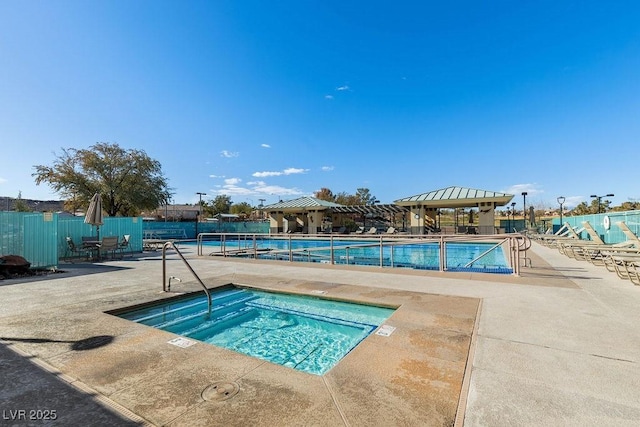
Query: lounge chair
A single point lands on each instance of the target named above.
(592, 250)
(391, 230)
(626, 266)
(595, 237)
(631, 236)
(570, 234)
(360, 230)
(372, 230)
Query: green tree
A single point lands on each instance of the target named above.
(344, 198)
(362, 197)
(241, 208)
(129, 181)
(627, 206)
(325, 194)
(365, 196)
(20, 205)
(221, 204)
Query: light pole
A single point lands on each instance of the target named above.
(198, 213)
(513, 216)
(261, 206)
(600, 198)
(561, 200)
(508, 219)
(524, 208)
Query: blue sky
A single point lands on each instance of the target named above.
(268, 100)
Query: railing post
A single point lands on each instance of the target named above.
(332, 255)
(443, 254)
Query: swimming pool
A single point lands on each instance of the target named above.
(301, 332)
(486, 257)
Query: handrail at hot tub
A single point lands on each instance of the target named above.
(164, 271)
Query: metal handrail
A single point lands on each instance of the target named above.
(470, 263)
(164, 272)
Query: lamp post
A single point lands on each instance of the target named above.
(198, 213)
(508, 219)
(524, 208)
(513, 216)
(561, 200)
(600, 198)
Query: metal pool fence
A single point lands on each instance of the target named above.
(340, 249)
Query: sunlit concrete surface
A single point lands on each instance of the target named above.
(557, 346)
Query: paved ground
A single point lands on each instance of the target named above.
(558, 346)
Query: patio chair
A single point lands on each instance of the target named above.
(372, 230)
(109, 244)
(73, 250)
(391, 230)
(360, 230)
(125, 245)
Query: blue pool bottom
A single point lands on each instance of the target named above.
(304, 333)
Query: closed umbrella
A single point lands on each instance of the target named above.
(94, 213)
(532, 216)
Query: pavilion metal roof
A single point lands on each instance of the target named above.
(306, 203)
(302, 203)
(455, 196)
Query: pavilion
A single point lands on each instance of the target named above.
(312, 215)
(424, 207)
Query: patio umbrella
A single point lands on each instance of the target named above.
(532, 216)
(94, 214)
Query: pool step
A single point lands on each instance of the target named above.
(194, 310)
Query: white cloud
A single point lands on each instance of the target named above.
(328, 97)
(288, 171)
(342, 88)
(216, 176)
(518, 189)
(2, 180)
(265, 146)
(266, 174)
(232, 181)
(327, 168)
(256, 188)
(291, 171)
(229, 154)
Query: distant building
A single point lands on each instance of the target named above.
(10, 203)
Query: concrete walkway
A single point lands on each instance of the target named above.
(559, 345)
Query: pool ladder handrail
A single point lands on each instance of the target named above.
(164, 271)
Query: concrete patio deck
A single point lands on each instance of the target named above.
(559, 345)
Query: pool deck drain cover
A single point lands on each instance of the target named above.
(221, 390)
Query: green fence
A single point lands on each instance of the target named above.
(41, 237)
(33, 236)
(605, 224)
(187, 230)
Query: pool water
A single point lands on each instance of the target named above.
(424, 256)
(305, 333)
